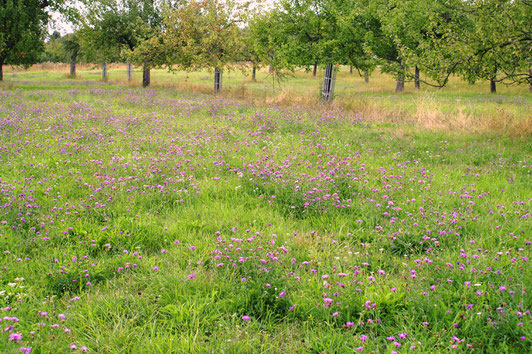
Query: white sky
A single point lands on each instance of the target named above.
(59, 24)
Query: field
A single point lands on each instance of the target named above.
(158, 220)
(457, 107)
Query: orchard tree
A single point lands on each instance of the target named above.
(266, 38)
(386, 33)
(407, 23)
(53, 49)
(309, 26)
(149, 53)
(379, 41)
(352, 29)
(250, 53)
(204, 34)
(488, 40)
(71, 46)
(23, 27)
(114, 29)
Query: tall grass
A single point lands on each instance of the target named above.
(458, 107)
(155, 220)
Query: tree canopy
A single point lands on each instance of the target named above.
(477, 40)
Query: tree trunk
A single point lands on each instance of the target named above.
(400, 87)
(72, 66)
(1, 69)
(145, 75)
(271, 61)
(493, 85)
(416, 78)
(129, 72)
(351, 69)
(366, 76)
(315, 70)
(104, 71)
(254, 74)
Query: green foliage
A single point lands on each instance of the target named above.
(114, 29)
(53, 50)
(201, 34)
(489, 39)
(21, 31)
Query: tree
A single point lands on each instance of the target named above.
(71, 45)
(493, 41)
(352, 30)
(21, 32)
(407, 24)
(266, 38)
(204, 34)
(116, 28)
(310, 26)
(479, 40)
(379, 39)
(22, 29)
(53, 49)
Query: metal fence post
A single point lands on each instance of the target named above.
(217, 80)
(329, 81)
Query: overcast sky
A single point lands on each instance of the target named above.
(59, 24)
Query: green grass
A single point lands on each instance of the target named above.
(350, 88)
(155, 220)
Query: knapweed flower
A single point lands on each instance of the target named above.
(246, 318)
(25, 350)
(370, 305)
(15, 337)
(155, 268)
(192, 276)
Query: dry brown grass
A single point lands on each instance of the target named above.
(60, 67)
(424, 110)
(429, 116)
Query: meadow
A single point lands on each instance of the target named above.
(458, 106)
(161, 220)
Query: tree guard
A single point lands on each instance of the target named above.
(217, 80)
(329, 80)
